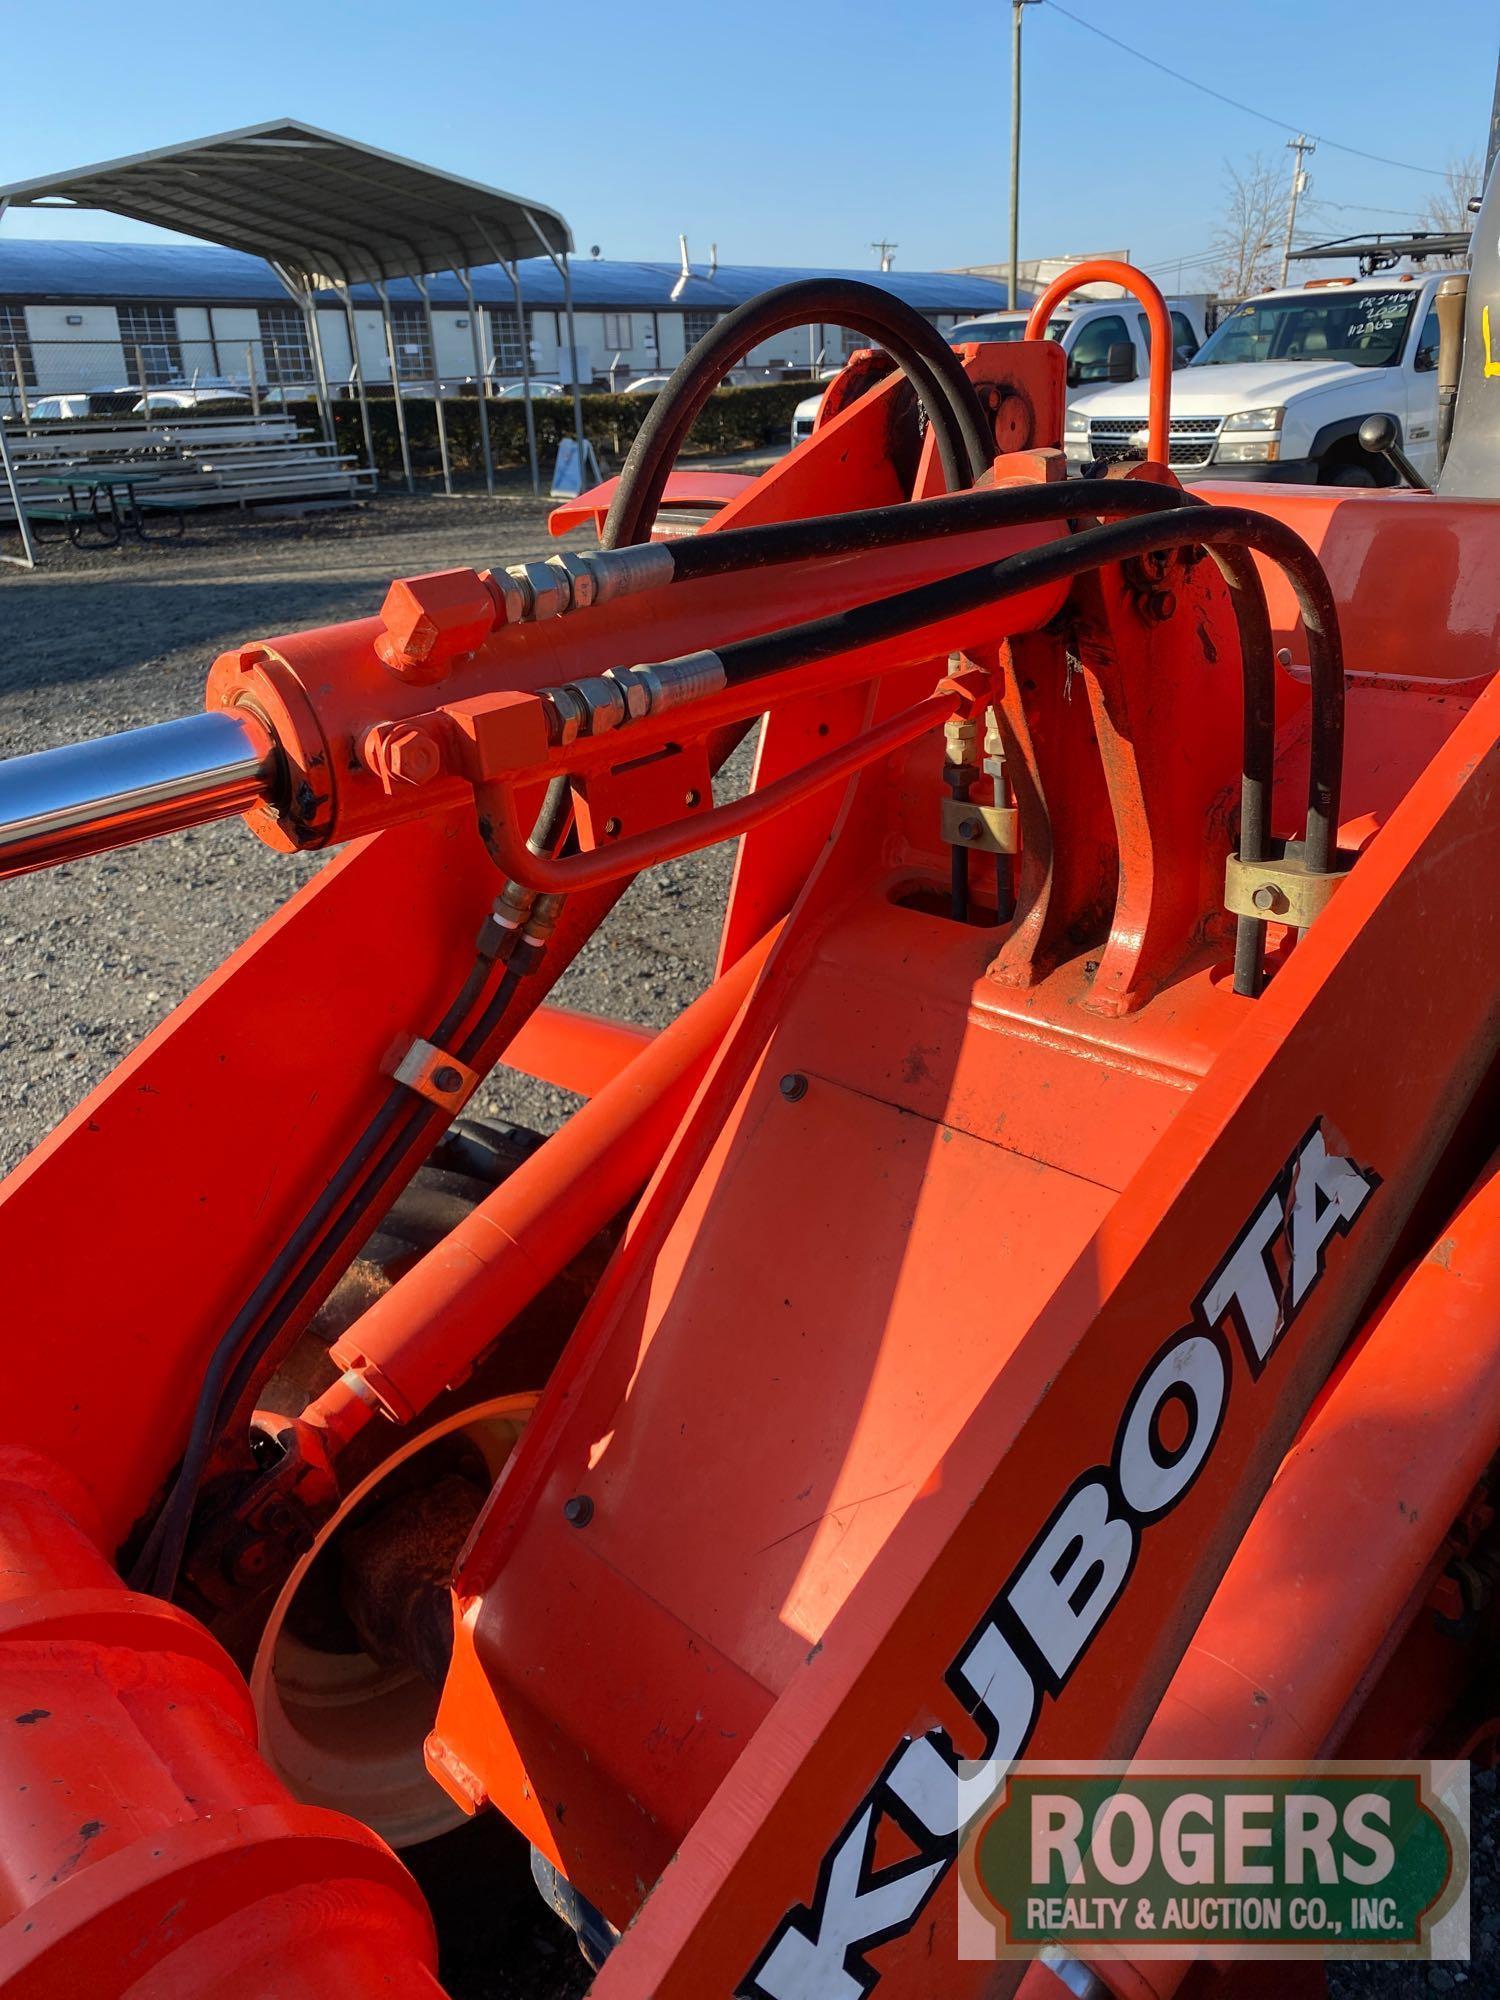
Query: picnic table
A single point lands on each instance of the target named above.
(104, 500)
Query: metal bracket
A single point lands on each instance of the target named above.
(1281, 889)
(985, 829)
(432, 1073)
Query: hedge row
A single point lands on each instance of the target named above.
(731, 420)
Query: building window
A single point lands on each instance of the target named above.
(285, 351)
(413, 338)
(695, 325)
(15, 349)
(617, 330)
(505, 340)
(850, 341)
(151, 333)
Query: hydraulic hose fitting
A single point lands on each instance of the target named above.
(502, 928)
(546, 592)
(961, 769)
(691, 677)
(528, 951)
(622, 695)
(994, 769)
(616, 573)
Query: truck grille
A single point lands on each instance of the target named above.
(1191, 441)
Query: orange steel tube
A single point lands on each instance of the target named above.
(507, 843)
(1108, 271)
(429, 1329)
(575, 1051)
(1391, 1456)
(146, 1844)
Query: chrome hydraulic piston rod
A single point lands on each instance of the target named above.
(87, 797)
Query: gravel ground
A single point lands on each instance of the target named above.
(111, 639)
(98, 952)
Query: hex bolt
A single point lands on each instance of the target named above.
(402, 753)
(1268, 897)
(794, 1086)
(969, 829)
(578, 1511)
(446, 1077)
(611, 828)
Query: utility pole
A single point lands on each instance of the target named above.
(1014, 294)
(1300, 145)
(884, 252)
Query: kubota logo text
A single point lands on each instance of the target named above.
(1059, 1594)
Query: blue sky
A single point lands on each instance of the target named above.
(795, 133)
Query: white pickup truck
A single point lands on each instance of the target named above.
(1283, 384)
(1105, 341)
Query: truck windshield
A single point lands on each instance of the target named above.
(1004, 330)
(1365, 329)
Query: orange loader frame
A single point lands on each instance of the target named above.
(1019, 1340)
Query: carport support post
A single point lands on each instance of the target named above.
(302, 298)
(536, 474)
(357, 370)
(325, 401)
(437, 387)
(28, 560)
(391, 362)
(479, 382)
(560, 263)
(512, 270)
(567, 278)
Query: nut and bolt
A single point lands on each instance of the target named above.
(578, 1511)
(794, 1086)
(403, 753)
(1269, 897)
(446, 1077)
(970, 829)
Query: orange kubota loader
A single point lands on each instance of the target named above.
(1043, 1297)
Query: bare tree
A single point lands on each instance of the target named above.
(1448, 209)
(1246, 243)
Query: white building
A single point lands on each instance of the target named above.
(103, 316)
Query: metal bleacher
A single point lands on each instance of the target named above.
(183, 463)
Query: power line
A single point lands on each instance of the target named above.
(1250, 111)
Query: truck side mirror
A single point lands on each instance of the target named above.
(1119, 362)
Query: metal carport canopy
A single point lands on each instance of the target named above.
(327, 210)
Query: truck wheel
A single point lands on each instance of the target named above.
(1349, 466)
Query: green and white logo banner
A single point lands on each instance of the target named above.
(1218, 1860)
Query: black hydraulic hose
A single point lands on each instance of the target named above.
(375, 1184)
(341, 1206)
(1213, 528)
(1227, 534)
(965, 438)
(907, 521)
